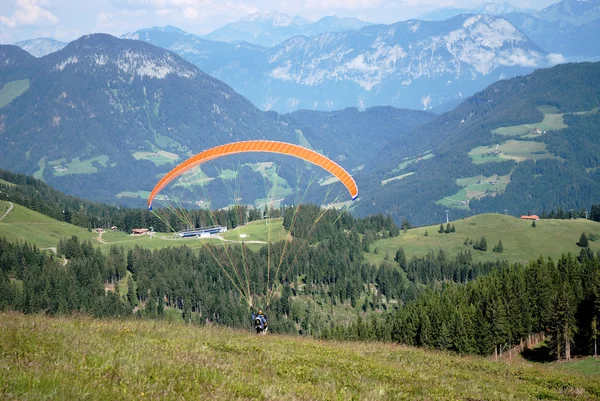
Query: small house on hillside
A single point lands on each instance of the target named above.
(139, 231)
(532, 217)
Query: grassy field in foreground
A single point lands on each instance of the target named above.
(588, 366)
(521, 241)
(81, 358)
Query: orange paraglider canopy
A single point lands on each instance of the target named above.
(258, 146)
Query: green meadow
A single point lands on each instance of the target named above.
(22, 224)
(74, 358)
(302, 141)
(521, 241)
(12, 90)
(6, 183)
(475, 188)
(158, 157)
(552, 121)
(410, 160)
(398, 177)
(78, 166)
(510, 150)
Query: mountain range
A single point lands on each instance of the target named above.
(104, 117)
(41, 46)
(342, 62)
(270, 29)
(576, 12)
(413, 64)
(526, 144)
(443, 13)
(105, 106)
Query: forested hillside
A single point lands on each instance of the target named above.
(492, 140)
(318, 282)
(357, 136)
(107, 117)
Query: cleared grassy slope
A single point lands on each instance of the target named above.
(77, 358)
(521, 241)
(23, 224)
(12, 90)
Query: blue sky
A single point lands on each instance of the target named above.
(69, 19)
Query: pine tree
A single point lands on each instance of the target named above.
(595, 335)
(499, 247)
(483, 244)
(583, 241)
(131, 297)
(424, 335)
(499, 325)
(426, 234)
(401, 258)
(533, 224)
(441, 230)
(483, 336)
(453, 229)
(447, 230)
(444, 341)
(596, 313)
(563, 325)
(595, 213)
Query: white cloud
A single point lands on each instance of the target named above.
(163, 12)
(196, 10)
(554, 58)
(519, 57)
(191, 13)
(347, 4)
(358, 63)
(28, 12)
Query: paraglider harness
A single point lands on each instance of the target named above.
(259, 320)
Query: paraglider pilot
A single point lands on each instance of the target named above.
(260, 321)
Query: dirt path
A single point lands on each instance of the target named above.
(10, 207)
(99, 238)
(53, 249)
(220, 238)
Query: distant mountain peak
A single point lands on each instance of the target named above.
(492, 8)
(13, 56)
(40, 47)
(271, 29)
(277, 19)
(133, 58)
(577, 12)
(500, 8)
(166, 29)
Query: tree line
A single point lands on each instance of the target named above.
(432, 301)
(497, 310)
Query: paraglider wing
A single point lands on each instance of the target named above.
(258, 146)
